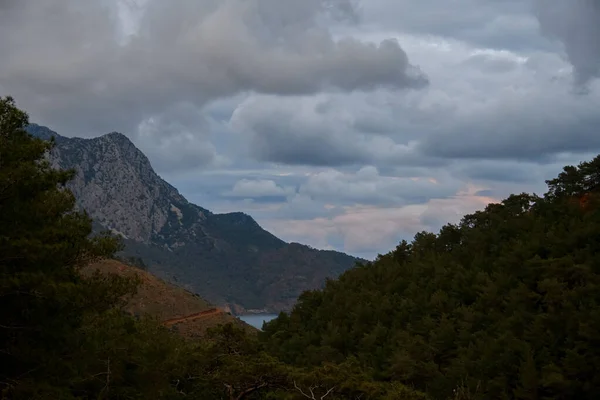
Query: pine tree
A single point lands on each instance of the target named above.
(43, 243)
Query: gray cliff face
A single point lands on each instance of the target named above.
(227, 258)
(116, 184)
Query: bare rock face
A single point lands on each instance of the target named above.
(116, 184)
(121, 191)
(227, 258)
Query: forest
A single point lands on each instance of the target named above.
(503, 305)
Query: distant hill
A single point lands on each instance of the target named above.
(227, 258)
(183, 311)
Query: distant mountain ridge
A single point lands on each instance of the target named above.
(227, 258)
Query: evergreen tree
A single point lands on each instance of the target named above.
(504, 305)
(43, 243)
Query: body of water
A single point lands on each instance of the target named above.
(257, 320)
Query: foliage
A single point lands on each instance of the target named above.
(504, 305)
(43, 243)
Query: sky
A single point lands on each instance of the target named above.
(342, 124)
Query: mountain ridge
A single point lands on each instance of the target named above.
(227, 258)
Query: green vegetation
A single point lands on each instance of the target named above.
(504, 305)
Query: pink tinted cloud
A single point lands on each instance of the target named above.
(372, 230)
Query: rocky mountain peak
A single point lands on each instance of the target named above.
(117, 136)
(228, 258)
(116, 183)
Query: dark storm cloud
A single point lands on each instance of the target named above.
(509, 108)
(576, 23)
(295, 133)
(70, 67)
(325, 131)
(513, 134)
(314, 148)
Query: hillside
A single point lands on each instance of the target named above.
(504, 305)
(182, 311)
(226, 258)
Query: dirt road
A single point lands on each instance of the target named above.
(193, 317)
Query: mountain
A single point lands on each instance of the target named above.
(227, 258)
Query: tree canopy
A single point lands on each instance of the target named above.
(503, 305)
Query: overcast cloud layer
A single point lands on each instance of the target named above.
(346, 124)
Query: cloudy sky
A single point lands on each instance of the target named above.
(344, 124)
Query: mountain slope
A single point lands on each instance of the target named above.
(182, 311)
(503, 305)
(227, 258)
